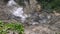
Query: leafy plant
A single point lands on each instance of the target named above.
(11, 26)
(50, 4)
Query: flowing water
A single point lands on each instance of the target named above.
(17, 10)
(34, 17)
(41, 19)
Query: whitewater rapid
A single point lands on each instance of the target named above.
(34, 18)
(17, 10)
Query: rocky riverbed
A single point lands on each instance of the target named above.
(34, 22)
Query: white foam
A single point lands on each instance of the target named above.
(17, 10)
(19, 13)
(11, 2)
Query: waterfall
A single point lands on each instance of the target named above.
(11, 2)
(17, 10)
(33, 17)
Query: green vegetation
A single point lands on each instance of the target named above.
(15, 27)
(50, 4)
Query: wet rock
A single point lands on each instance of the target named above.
(48, 23)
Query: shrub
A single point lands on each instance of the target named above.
(4, 27)
(50, 4)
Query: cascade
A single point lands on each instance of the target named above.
(17, 10)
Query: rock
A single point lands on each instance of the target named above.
(35, 22)
(38, 30)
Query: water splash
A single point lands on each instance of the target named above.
(19, 13)
(11, 2)
(17, 10)
(32, 18)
